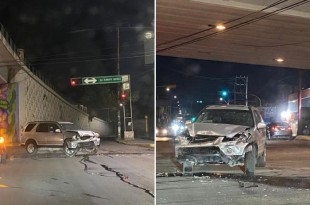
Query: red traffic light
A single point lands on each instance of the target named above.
(123, 96)
(75, 81)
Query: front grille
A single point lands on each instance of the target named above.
(199, 150)
(203, 138)
(86, 144)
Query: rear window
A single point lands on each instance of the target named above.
(29, 127)
(281, 123)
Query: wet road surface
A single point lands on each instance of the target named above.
(285, 179)
(118, 174)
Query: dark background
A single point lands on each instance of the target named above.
(76, 38)
(203, 80)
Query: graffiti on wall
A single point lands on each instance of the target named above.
(8, 112)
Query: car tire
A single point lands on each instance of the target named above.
(70, 152)
(261, 160)
(31, 147)
(250, 162)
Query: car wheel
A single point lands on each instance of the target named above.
(261, 160)
(70, 152)
(31, 147)
(250, 162)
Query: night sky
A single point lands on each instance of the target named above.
(65, 38)
(203, 80)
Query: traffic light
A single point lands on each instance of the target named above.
(123, 97)
(224, 93)
(75, 81)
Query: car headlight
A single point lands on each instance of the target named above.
(156, 131)
(240, 137)
(74, 137)
(175, 127)
(1, 140)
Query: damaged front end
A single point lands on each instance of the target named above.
(83, 139)
(211, 148)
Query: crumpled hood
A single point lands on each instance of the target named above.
(83, 132)
(215, 129)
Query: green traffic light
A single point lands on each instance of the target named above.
(224, 93)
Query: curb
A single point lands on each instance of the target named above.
(132, 143)
(303, 137)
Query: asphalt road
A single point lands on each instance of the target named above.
(285, 179)
(118, 174)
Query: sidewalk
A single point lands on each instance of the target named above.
(137, 142)
(303, 137)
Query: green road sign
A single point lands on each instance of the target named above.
(104, 79)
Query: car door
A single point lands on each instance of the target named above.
(260, 133)
(54, 135)
(40, 133)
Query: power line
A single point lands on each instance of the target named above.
(231, 21)
(236, 26)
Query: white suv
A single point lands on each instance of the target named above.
(232, 135)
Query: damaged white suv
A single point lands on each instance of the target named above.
(231, 134)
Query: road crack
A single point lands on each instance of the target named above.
(125, 179)
(122, 177)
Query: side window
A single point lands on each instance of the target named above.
(42, 127)
(29, 127)
(52, 127)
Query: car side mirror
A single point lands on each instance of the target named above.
(57, 131)
(261, 125)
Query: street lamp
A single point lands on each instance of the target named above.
(222, 99)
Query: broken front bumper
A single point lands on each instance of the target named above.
(230, 153)
(89, 143)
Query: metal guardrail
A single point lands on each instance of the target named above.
(5, 35)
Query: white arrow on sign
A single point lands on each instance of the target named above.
(90, 80)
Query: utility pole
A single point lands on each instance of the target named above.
(118, 89)
(241, 90)
(246, 91)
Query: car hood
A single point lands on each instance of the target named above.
(215, 129)
(83, 132)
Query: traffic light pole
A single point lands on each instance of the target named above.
(118, 89)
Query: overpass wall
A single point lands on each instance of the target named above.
(36, 101)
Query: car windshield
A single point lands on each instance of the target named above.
(69, 126)
(234, 117)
